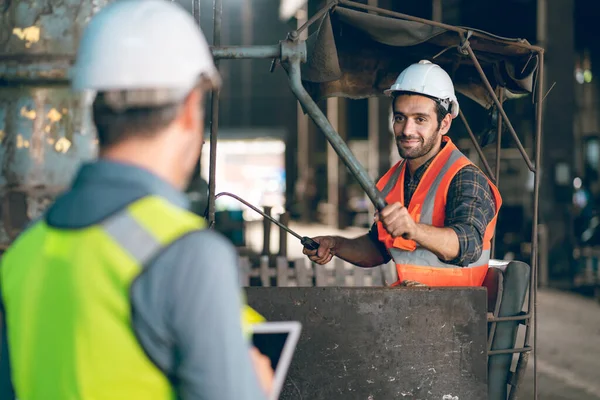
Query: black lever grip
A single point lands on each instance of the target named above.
(309, 243)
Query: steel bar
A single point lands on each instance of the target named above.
(267, 231)
(214, 122)
(488, 170)
(305, 240)
(498, 154)
(487, 84)
(242, 52)
(518, 375)
(534, 237)
(492, 329)
(438, 24)
(315, 17)
(196, 10)
(263, 213)
(332, 136)
(512, 318)
(285, 220)
(510, 351)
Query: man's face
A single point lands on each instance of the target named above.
(191, 133)
(416, 128)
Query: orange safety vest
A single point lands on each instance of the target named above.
(428, 206)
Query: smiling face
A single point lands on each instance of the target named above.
(417, 130)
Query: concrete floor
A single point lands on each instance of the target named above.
(568, 363)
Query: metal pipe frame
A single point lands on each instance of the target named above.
(487, 84)
(492, 328)
(293, 56)
(525, 349)
(498, 152)
(214, 119)
(333, 137)
(520, 317)
(477, 146)
(499, 139)
(295, 34)
(246, 52)
(534, 239)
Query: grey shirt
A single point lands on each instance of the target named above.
(186, 302)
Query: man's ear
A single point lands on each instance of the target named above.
(445, 124)
(191, 112)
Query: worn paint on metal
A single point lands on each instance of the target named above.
(30, 35)
(46, 131)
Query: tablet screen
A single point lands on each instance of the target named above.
(271, 345)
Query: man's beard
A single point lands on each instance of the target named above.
(418, 151)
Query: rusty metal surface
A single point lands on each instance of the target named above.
(38, 39)
(46, 133)
(45, 130)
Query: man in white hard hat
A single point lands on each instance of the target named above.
(118, 292)
(442, 209)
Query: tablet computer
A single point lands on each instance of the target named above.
(277, 341)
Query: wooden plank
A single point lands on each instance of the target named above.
(244, 267)
(282, 271)
(302, 272)
(265, 275)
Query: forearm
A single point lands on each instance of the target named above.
(443, 242)
(360, 251)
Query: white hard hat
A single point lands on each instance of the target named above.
(143, 45)
(430, 80)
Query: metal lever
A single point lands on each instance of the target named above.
(305, 240)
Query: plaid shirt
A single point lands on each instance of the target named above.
(470, 208)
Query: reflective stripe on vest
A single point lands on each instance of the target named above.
(131, 236)
(414, 262)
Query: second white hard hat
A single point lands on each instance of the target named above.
(430, 80)
(142, 45)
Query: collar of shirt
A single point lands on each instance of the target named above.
(421, 170)
(102, 188)
(122, 174)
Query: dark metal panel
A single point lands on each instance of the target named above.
(382, 343)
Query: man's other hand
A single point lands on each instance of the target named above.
(264, 371)
(324, 253)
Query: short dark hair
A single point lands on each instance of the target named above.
(441, 112)
(113, 126)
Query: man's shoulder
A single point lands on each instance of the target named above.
(471, 178)
(471, 172)
(471, 181)
(190, 263)
(202, 243)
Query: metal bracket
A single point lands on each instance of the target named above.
(292, 50)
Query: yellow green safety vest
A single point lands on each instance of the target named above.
(68, 313)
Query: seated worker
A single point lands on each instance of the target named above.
(119, 292)
(442, 209)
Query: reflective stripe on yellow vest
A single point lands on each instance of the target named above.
(427, 206)
(66, 297)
